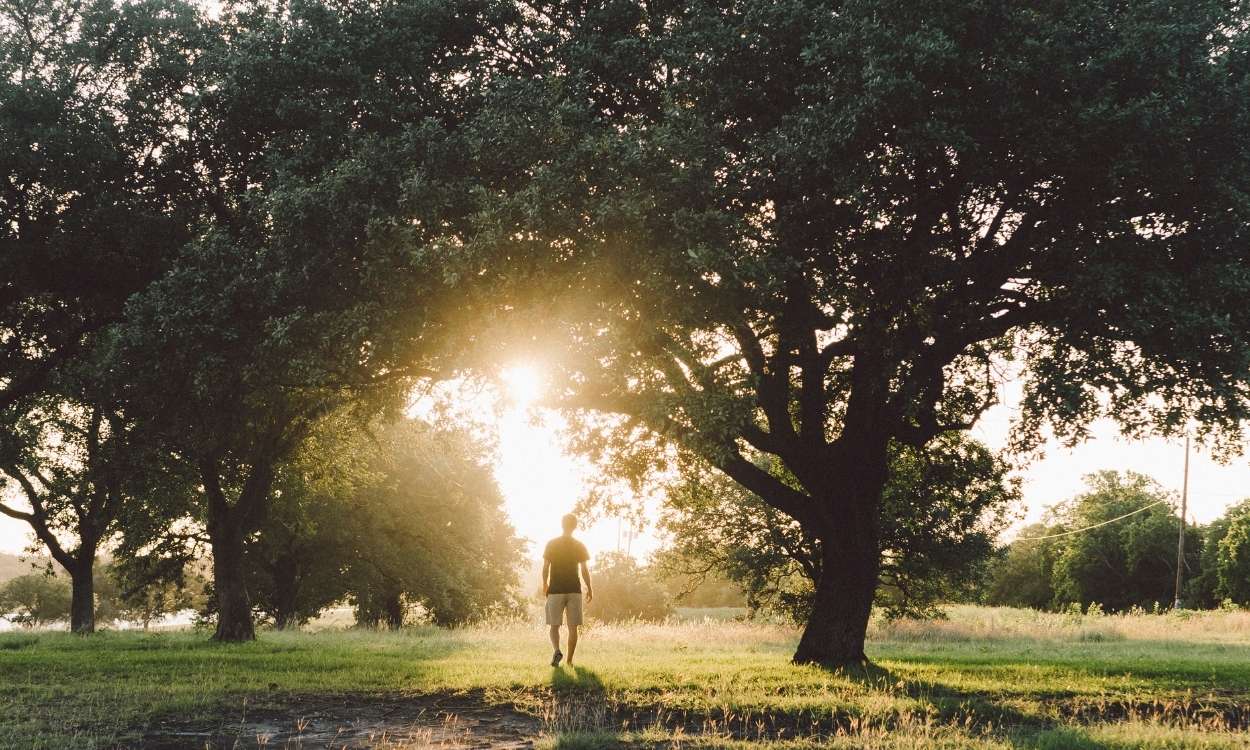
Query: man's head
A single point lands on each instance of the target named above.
(569, 522)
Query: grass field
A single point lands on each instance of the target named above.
(984, 678)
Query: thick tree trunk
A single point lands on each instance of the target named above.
(850, 560)
(228, 525)
(234, 606)
(838, 623)
(82, 598)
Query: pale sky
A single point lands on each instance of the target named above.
(540, 482)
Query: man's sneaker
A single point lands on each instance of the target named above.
(556, 657)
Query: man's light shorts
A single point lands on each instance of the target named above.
(559, 604)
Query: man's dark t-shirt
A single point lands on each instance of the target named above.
(564, 553)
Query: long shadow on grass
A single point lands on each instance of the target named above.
(1054, 724)
(953, 706)
(1219, 708)
(583, 714)
(937, 704)
(284, 682)
(579, 716)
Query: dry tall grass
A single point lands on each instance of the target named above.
(969, 623)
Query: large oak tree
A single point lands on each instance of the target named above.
(91, 200)
(809, 230)
(310, 125)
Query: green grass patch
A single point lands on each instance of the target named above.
(698, 681)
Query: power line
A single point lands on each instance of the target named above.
(1087, 528)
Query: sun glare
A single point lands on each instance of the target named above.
(540, 480)
(523, 383)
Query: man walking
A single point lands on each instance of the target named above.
(561, 560)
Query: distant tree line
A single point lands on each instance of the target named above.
(1127, 563)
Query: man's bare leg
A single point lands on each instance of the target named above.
(572, 642)
(555, 644)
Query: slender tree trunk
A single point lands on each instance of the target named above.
(285, 594)
(850, 562)
(82, 598)
(234, 606)
(80, 565)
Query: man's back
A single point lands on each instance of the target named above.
(565, 553)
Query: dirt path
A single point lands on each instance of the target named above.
(348, 722)
(467, 721)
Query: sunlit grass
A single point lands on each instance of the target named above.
(984, 678)
(1125, 736)
(969, 623)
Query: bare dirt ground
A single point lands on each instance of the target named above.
(349, 722)
(466, 721)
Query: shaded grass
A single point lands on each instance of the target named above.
(1126, 737)
(647, 685)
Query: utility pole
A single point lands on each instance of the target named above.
(1180, 538)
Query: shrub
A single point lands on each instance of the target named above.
(35, 599)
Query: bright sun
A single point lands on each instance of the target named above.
(524, 384)
(538, 479)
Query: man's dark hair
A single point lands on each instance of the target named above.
(569, 522)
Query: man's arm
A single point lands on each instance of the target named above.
(590, 594)
(546, 574)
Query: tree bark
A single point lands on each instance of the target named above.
(394, 606)
(286, 590)
(838, 624)
(228, 525)
(234, 606)
(82, 598)
(850, 561)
